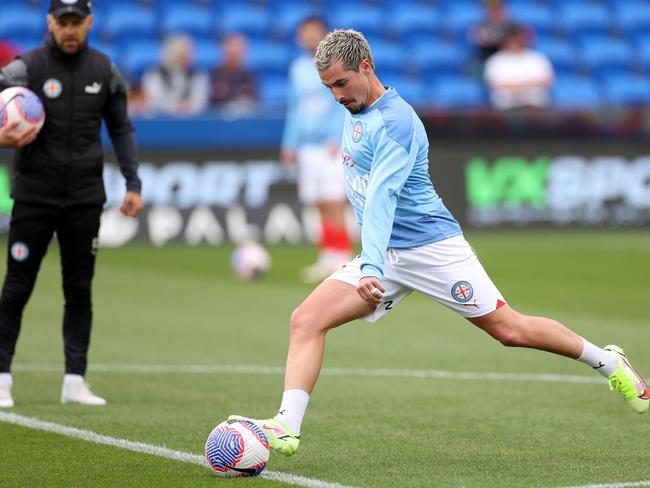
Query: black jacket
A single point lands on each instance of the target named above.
(64, 165)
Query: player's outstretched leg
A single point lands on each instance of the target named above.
(277, 433)
(628, 382)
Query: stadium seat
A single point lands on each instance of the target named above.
(632, 16)
(387, 55)
(626, 90)
(273, 89)
(601, 54)
(126, 24)
(253, 22)
(459, 16)
(207, 54)
(643, 51)
(369, 19)
(16, 21)
(407, 20)
(269, 57)
(409, 88)
(433, 56)
(535, 15)
(286, 18)
(457, 92)
(138, 57)
(575, 93)
(112, 50)
(561, 53)
(198, 22)
(579, 17)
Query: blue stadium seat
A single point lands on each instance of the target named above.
(16, 21)
(538, 16)
(138, 57)
(457, 92)
(253, 22)
(198, 22)
(273, 89)
(432, 56)
(413, 19)
(207, 54)
(578, 17)
(633, 16)
(369, 20)
(125, 24)
(409, 88)
(387, 55)
(601, 54)
(286, 18)
(269, 57)
(643, 51)
(27, 43)
(561, 53)
(459, 16)
(626, 90)
(575, 93)
(112, 50)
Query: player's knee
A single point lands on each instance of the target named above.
(77, 297)
(304, 322)
(16, 296)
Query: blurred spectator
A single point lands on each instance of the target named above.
(8, 51)
(175, 87)
(233, 85)
(489, 35)
(518, 76)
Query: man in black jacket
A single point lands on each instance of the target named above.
(58, 185)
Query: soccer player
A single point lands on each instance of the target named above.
(410, 241)
(312, 140)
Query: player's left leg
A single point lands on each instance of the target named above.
(77, 235)
(512, 328)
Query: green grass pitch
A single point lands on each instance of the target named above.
(177, 306)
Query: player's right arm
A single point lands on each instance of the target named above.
(14, 74)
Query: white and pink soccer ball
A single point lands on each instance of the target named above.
(237, 448)
(19, 104)
(250, 261)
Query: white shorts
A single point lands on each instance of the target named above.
(447, 271)
(320, 176)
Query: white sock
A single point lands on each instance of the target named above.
(71, 379)
(599, 359)
(5, 379)
(292, 409)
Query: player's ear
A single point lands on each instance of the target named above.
(50, 22)
(90, 20)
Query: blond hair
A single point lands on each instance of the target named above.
(346, 45)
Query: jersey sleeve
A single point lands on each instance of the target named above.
(391, 166)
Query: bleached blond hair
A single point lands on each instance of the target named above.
(346, 45)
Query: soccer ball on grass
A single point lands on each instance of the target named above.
(237, 448)
(250, 261)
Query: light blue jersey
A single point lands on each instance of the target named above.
(313, 116)
(386, 162)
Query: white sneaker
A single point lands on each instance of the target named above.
(5, 396)
(78, 391)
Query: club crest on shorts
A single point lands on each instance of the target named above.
(357, 132)
(19, 251)
(52, 88)
(462, 291)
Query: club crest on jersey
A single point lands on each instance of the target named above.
(357, 132)
(19, 251)
(462, 291)
(52, 88)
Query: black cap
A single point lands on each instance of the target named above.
(76, 7)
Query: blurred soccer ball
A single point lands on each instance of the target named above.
(250, 261)
(19, 104)
(237, 448)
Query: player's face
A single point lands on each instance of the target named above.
(70, 31)
(350, 88)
